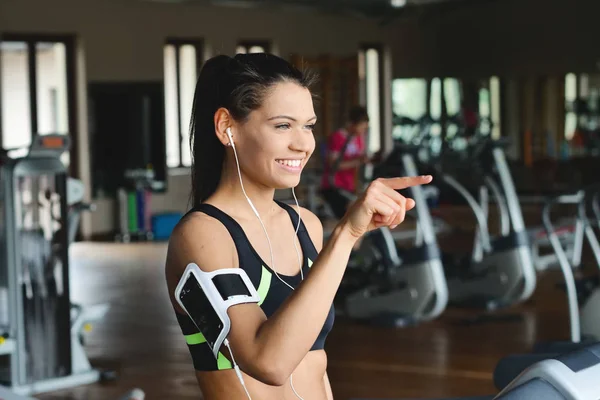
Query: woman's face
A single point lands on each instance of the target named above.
(276, 141)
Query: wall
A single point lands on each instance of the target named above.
(498, 37)
(122, 40)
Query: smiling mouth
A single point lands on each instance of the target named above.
(290, 163)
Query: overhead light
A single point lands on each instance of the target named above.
(398, 3)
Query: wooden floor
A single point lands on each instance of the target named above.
(141, 340)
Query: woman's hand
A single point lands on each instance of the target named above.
(381, 205)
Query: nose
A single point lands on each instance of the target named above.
(303, 141)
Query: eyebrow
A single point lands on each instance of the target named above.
(290, 118)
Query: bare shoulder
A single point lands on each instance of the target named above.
(200, 239)
(204, 240)
(313, 225)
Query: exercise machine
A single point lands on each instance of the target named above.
(41, 329)
(500, 271)
(515, 366)
(570, 235)
(584, 321)
(568, 230)
(570, 376)
(584, 325)
(398, 287)
(76, 205)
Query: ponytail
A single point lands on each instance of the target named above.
(207, 152)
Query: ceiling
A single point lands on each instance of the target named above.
(369, 8)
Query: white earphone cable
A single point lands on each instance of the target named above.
(237, 162)
(296, 235)
(293, 388)
(237, 369)
(263, 225)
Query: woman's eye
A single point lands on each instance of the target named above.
(282, 126)
(310, 127)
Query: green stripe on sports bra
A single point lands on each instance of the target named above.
(264, 285)
(223, 362)
(309, 263)
(195, 338)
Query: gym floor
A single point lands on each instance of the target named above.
(141, 340)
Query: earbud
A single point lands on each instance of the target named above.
(228, 131)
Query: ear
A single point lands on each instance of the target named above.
(223, 120)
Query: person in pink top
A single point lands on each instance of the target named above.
(345, 155)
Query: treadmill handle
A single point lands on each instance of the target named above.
(565, 267)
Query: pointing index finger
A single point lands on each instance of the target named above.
(406, 182)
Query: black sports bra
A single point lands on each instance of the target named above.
(271, 290)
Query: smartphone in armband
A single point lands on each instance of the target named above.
(206, 297)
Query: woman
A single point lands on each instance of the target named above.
(266, 105)
(346, 154)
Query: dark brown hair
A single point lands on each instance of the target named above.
(358, 114)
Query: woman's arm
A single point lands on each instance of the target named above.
(280, 343)
(270, 349)
(327, 387)
(315, 231)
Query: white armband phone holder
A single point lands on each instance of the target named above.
(206, 297)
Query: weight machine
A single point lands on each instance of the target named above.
(40, 347)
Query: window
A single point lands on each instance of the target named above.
(37, 90)
(584, 85)
(435, 106)
(484, 111)
(453, 96)
(182, 62)
(495, 107)
(17, 124)
(570, 100)
(409, 105)
(247, 47)
(370, 77)
(453, 100)
(582, 119)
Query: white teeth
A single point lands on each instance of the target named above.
(290, 163)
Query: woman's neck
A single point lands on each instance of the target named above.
(230, 192)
